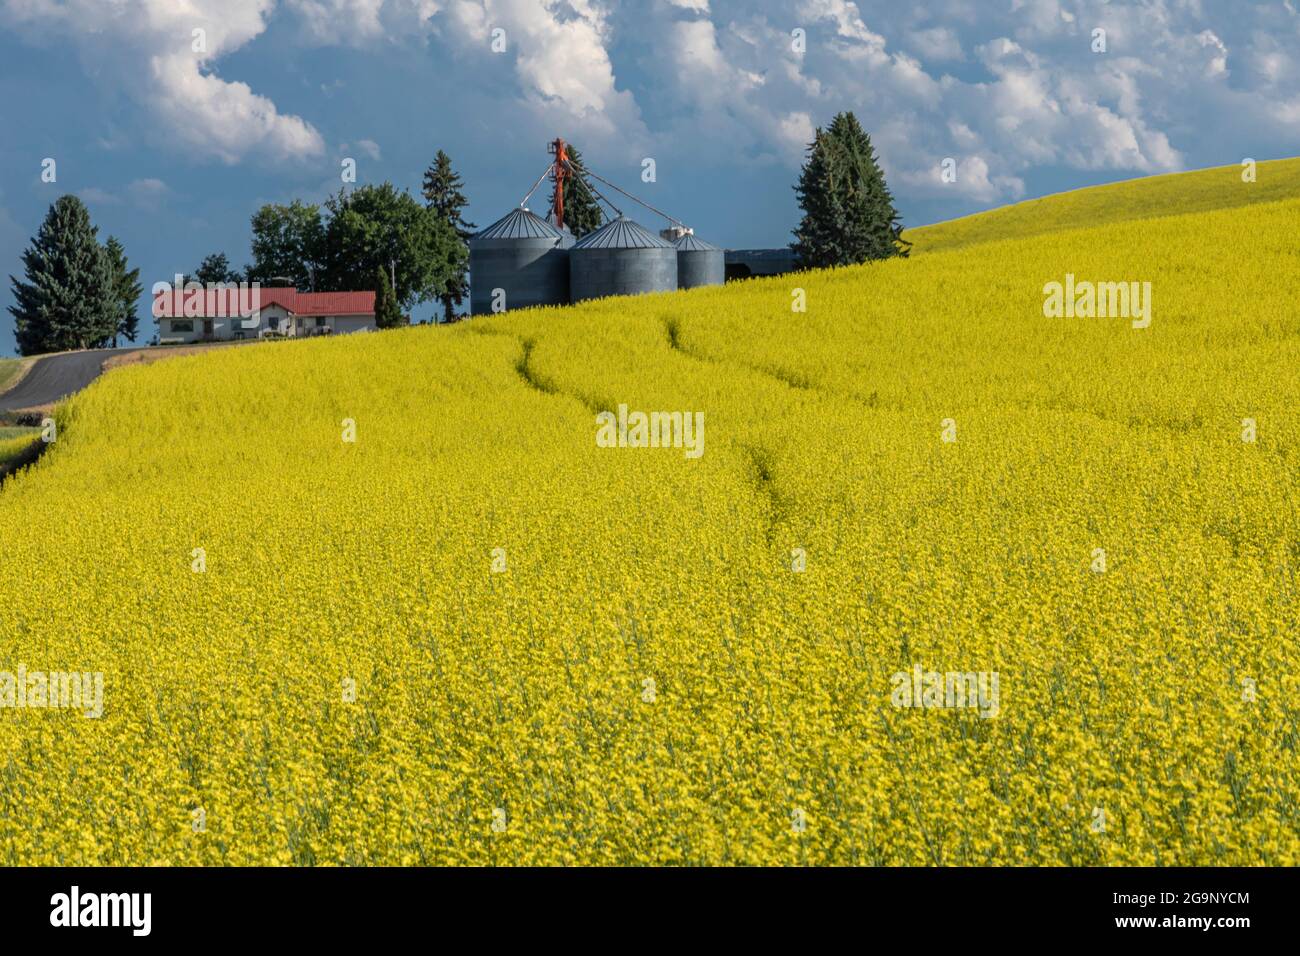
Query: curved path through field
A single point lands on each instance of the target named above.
(55, 377)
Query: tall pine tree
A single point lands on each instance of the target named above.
(581, 210)
(442, 194)
(849, 214)
(126, 291)
(68, 299)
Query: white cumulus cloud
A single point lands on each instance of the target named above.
(164, 53)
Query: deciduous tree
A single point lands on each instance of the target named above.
(288, 241)
(382, 226)
(216, 268)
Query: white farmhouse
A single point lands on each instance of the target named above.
(217, 314)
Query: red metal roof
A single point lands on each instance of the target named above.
(331, 303)
(223, 302)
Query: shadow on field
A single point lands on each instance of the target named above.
(28, 456)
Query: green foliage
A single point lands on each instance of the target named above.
(339, 248)
(68, 300)
(216, 268)
(387, 314)
(582, 213)
(849, 214)
(126, 291)
(288, 241)
(442, 193)
(382, 226)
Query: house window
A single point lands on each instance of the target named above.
(182, 325)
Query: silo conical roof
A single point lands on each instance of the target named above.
(519, 223)
(622, 233)
(693, 243)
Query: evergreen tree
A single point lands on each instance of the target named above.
(849, 214)
(442, 193)
(822, 227)
(581, 210)
(387, 314)
(216, 268)
(68, 299)
(126, 291)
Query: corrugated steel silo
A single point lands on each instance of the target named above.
(523, 255)
(699, 262)
(621, 258)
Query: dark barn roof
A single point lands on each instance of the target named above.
(519, 224)
(622, 233)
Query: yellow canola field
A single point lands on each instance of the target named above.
(14, 445)
(1171, 194)
(308, 657)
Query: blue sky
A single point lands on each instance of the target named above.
(173, 148)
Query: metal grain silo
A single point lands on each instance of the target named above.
(699, 263)
(621, 258)
(523, 255)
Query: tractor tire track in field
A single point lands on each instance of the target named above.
(790, 379)
(673, 327)
(801, 383)
(28, 457)
(776, 507)
(524, 366)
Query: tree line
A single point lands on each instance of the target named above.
(373, 237)
(381, 238)
(79, 293)
(848, 210)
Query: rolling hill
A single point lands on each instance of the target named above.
(472, 634)
(1174, 194)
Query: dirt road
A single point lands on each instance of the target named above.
(55, 377)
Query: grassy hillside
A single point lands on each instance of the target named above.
(1205, 190)
(9, 369)
(648, 678)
